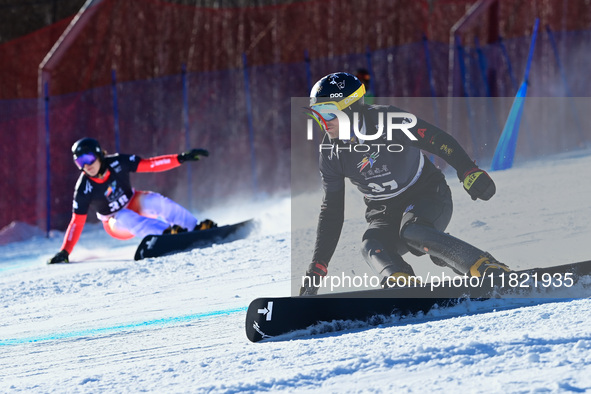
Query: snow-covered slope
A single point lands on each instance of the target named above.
(106, 323)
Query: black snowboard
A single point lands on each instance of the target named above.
(161, 245)
(270, 317)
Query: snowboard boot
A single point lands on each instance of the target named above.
(400, 279)
(487, 265)
(205, 225)
(174, 229)
(313, 279)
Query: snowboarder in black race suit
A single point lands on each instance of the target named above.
(408, 202)
(125, 212)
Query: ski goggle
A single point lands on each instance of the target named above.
(324, 111)
(82, 160)
(323, 108)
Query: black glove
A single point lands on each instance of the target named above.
(313, 278)
(192, 155)
(60, 257)
(478, 184)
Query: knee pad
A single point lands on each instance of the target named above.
(371, 247)
(383, 262)
(390, 240)
(413, 231)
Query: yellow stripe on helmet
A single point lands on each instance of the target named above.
(347, 101)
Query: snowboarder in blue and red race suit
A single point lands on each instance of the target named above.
(125, 212)
(408, 202)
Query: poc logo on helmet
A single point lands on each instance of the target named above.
(336, 95)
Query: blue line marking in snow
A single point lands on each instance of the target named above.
(121, 327)
(9, 267)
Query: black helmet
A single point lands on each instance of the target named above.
(342, 89)
(84, 149)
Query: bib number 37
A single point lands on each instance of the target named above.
(377, 188)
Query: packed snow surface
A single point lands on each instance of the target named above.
(107, 323)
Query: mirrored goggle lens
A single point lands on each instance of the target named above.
(87, 158)
(325, 111)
